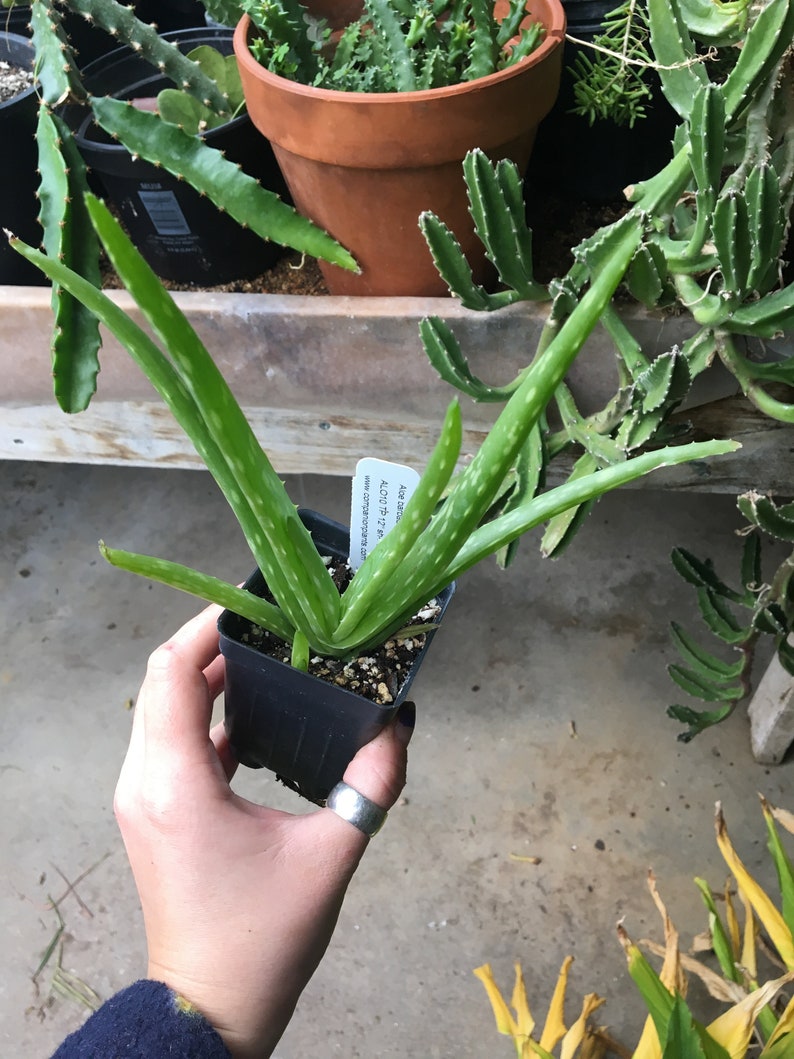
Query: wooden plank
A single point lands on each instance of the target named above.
(326, 380)
(142, 433)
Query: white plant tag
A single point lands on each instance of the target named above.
(380, 492)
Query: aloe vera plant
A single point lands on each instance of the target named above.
(426, 551)
(395, 46)
(68, 237)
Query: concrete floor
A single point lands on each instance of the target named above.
(496, 771)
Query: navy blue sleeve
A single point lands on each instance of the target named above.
(145, 1021)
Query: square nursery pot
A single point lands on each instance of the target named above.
(279, 718)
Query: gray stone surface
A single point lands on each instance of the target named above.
(541, 734)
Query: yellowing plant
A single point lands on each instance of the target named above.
(758, 1021)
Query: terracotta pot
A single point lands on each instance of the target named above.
(365, 165)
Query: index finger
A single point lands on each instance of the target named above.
(175, 672)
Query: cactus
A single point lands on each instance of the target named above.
(68, 235)
(395, 46)
(713, 225)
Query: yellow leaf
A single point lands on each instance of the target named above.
(785, 1025)
(505, 1023)
(671, 974)
(748, 959)
(783, 816)
(575, 1035)
(554, 1029)
(648, 1047)
(733, 923)
(524, 1020)
(734, 1029)
(764, 908)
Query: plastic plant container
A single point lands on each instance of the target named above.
(282, 719)
(180, 233)
(19, 207)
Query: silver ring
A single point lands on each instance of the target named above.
(359, 811)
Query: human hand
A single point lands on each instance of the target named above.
(239, 900)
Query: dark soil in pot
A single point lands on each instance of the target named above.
(558, 224)
(13, 80)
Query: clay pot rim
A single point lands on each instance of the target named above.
(554, 38)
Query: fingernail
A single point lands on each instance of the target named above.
(406, 719)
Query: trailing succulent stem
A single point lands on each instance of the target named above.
(206, 102)
(736, 617)
(429, 549)
(711, 230)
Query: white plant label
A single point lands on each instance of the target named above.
(380, 492)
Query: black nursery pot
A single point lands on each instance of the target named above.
(594, 163)
(180, 233)
(305, 730)
(19, 208)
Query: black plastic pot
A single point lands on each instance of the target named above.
(169, 15)
(180, 233)
(19, 208)
(281, 719)
(88, 41)
(594, 163)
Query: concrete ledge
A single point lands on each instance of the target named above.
(327, 380)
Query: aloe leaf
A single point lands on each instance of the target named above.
(530, 472)
(174, 392)
(476, 487)
(394, 549)
(490, 537)
(705, 664)
(212, 589)
(561, 529)
(213, 175)
(281, 544)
